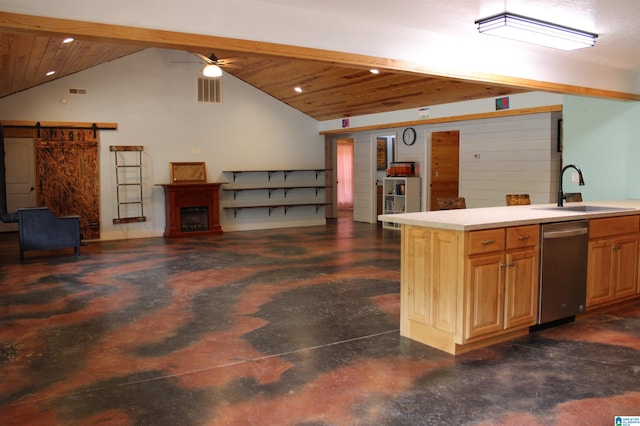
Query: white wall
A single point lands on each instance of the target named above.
(153, 101)
(511, 155)
(498, 156)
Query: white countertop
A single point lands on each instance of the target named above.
(495, 217)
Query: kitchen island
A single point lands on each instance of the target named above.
(470, 277)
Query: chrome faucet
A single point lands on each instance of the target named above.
(561, 196)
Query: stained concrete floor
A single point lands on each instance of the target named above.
(279, 327)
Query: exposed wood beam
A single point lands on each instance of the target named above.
(59, 124)
(451, 119)
(198, 42)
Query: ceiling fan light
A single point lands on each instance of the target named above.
(212, 70)
(520, 28)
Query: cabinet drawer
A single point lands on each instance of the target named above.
(523, 236)
(599, 228)
(486, 241)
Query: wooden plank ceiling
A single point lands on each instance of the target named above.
(330, 90)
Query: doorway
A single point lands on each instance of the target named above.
(20, 181)
(345, 185)
(55, 168)
(445, 166)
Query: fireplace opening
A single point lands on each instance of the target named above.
(194, 219)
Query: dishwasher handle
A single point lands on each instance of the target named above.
(565, 233)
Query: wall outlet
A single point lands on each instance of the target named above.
(575, 177)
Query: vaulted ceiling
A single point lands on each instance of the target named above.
(334, 84)
(330, 90)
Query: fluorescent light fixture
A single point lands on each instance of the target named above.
(68, 40)
(212, 70)
(520, 28)
(50, 73)
(298, 89)
(374, 71)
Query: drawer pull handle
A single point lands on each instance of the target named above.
(523, 237)
(485, 242)
(508, 265)
(617, 247)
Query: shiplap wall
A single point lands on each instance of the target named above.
(511, 155)
(498, 156)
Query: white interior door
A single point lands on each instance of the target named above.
(20, 177)
(364, 185)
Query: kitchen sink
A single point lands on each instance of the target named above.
(585, 208)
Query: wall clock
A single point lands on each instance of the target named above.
(409, 136)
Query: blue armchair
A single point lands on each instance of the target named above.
(40, 230)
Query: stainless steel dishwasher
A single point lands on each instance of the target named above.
(563, 270)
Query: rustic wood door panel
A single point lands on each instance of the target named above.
(68, 177)
(485, 294)
(445, 166)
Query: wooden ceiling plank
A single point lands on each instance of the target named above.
(24, 46)
(6, 65)
(191, 42)
(34, 70)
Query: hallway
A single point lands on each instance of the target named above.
(277, 327)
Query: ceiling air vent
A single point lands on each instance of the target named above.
(210, 90)
(75, 91)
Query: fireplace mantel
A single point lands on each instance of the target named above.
(198, 197)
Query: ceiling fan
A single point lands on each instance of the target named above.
(213, 64)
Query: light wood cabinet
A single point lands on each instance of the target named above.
(464, 290)
(613, 260)
(502, 286)
(522, 286)
(485, 295)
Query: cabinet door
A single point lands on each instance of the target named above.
(415, 275)
(485, 294)
(624, 266)
(521, 288)
(430, 276)
(599, 272)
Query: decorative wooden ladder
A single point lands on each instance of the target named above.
(128, 176)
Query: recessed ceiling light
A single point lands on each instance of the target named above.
(374, 71)
(67, 40)
(298, 89)
(50, 73)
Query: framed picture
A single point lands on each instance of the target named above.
(381, 153)
(188, 172)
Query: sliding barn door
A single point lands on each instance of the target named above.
(67, 176)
